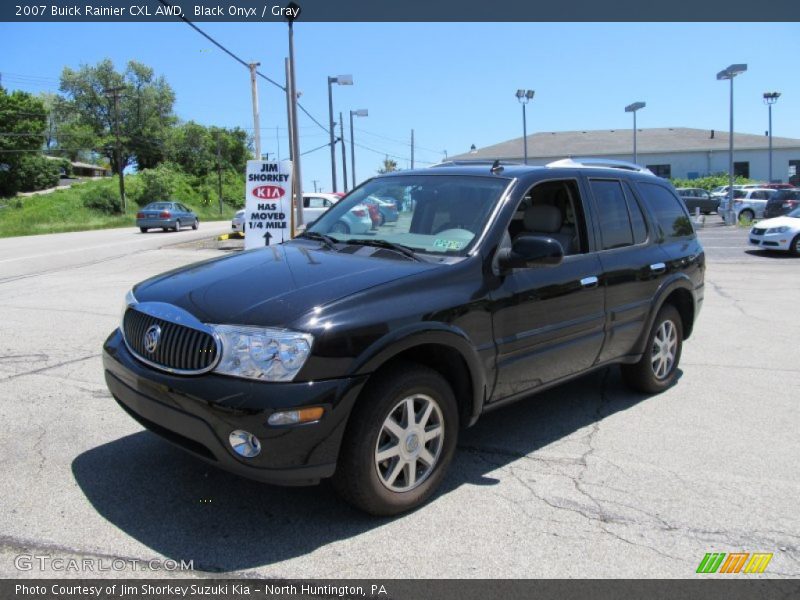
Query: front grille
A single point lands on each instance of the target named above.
(180, 349)
(757, 231)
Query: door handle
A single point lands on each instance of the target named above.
(658, 267)
(589, 282)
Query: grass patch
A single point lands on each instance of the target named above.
(65, 210)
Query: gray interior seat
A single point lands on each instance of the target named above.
(545, 219)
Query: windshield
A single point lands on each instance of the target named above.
(795, 213)
(158, 206)
(434, 214)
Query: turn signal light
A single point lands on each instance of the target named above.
(295, 417)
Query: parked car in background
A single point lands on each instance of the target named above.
(778, 186)
(237, 223)
(748, 204)
(698, 198)
(356, 220)
(387, 208)
(314, 204)
(166, 215)
(783, 201)
(780, 233)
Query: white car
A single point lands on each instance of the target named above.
(748, 204)
(317, 203)
(237, 223)
(780, 233)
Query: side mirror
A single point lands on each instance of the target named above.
(530, 251)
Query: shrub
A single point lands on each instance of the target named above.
(104, 198)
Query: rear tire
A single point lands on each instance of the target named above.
(143, 229)
(417, 451)
(177, 225)
(746, 216)
(658, 367)
(340, 227)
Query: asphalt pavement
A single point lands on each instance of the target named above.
(586, 480)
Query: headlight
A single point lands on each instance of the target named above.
(259, 353)
(130, 300)
(783, 229)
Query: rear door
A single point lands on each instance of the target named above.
(633, 267)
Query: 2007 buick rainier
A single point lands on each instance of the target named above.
(361, 356)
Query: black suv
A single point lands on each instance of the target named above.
(361, 356)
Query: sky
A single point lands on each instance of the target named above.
(454, 84)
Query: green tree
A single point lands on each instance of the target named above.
(145, 112)
(194, 148)
(389, 165)
(23, 125)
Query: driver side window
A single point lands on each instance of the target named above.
(552, 209)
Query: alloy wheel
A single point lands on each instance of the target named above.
(409, 443)
(665, 346)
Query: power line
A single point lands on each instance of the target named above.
(242, 62)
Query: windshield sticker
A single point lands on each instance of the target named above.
(448, 244)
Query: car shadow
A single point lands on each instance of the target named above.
(187, 510)
(764, 253)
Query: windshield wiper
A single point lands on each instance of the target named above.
(378, 243)
(328, 241)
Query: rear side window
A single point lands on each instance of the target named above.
(669, 213)
(615, 223)
(637, 218)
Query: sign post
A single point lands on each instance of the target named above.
(268, 203)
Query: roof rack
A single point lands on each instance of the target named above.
(475, 162)
(600, 163)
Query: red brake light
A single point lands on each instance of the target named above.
(359, 213)
(165, 214)
(140, 215)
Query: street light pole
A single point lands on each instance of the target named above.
(361, 112)
(633, 108)
(525, 96)
(729, 73)
(344, 153)
(770, 98)
(114, 93)
(340, 80)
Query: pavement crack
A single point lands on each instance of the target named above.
(49, 367)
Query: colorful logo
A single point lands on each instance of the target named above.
(735, 562)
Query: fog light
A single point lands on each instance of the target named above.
(294, 417)
(244, 443)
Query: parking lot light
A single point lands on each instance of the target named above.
(525, 96)
(339, 80)
(633, 108)
(729, 73)
(361, 112)
(770, 98)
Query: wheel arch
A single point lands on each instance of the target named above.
(678, 292)
(445, 349)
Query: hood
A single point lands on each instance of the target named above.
(778, 222)
(273, 286)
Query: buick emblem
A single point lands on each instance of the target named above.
(151, 338)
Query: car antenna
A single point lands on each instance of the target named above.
(496, 167)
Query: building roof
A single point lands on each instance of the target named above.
(600, 142)
(81, 165)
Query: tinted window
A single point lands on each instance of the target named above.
(637, 218)
(669, 213)
(615, 224)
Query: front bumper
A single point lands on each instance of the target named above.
(772, 241)
(198, 413)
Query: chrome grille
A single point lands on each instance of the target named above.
(180, 349)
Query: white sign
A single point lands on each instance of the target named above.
(268, 203)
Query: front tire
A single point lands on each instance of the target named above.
(746, 216)
(658, 367)
(196, 224)
(399, 442)
(794, 247)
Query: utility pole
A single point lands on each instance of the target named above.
(412, 148)
(278, 144)
(219, 173)
(256, 120)
(344, 152)
(115, 93)
(298, 177)
(316, 181)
